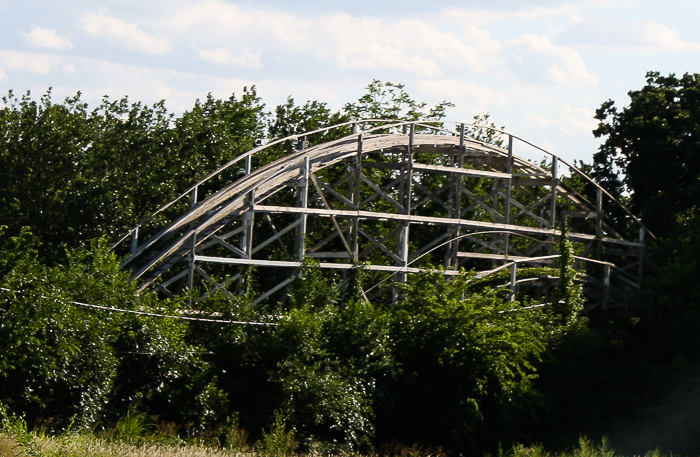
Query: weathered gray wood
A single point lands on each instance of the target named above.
(467, 172)
(265, 190)
(335, 222)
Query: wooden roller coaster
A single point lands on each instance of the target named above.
(392, 198)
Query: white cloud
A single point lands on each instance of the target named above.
(122, 32)
(467, 97)
(211, 22)
(411, 46)
(180, 89)
(244, 58)
(47, 38)
(415, 47)
(630, 35)
(568, 121)
(33, 62)
(538, 60)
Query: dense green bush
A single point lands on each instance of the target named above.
(64, 362)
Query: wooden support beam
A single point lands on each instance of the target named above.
(322, 186)
(335, 223)
(513, 273)
(355, 239)
(276, 237)
(303, 198)
(381, 193)
(210, 280)
(466, 172)
(135, 240)
(483, 255)
(324, 265)
(192, 256)
(427, 220)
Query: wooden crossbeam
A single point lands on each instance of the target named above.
(380, 244)
(480, 203)
(276, 236)
(324, 265)
(430, 196)
(379, 191)
(483, 255)
(427, 220)
(465, 172)
(217, 285)
(322, 186)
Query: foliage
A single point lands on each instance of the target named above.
(485, 130)
(16, 427)
(464, 360)
(386, 100)
(279, 441)
(131, 428)
(650, 148)
(439, 367)
(570, 295)
(62, 361)
(72, 175)
(451, 363)
(649, 156)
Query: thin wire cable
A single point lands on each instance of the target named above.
(166, 316)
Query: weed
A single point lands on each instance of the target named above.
(131, 428)
(278, 442)
(235, 437)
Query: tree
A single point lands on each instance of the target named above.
(386, 100)
(72, 175)
(651, 148)
(63, 361)
(465, 362)
(41, 154)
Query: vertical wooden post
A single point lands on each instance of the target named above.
(460, 190)
(303, 203)
(599, 211)
(408, 190)
(248, 223)
(553, 203)
(606, 285)
(194, 197)
(190, 280)
(553, 198)
(513, 274)
(451, 259)
(135, 240)
(356, 200)
(509, 185)
(405, 199)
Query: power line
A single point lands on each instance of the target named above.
(165, 316)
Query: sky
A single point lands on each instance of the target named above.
(539, 67)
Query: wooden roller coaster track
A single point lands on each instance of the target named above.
(392, 198)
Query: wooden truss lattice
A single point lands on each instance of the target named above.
(393, 198)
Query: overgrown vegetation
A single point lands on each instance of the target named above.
(452, 367)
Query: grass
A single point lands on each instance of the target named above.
(7, 446)
(89, 445)
(85, 445)
(135, 436)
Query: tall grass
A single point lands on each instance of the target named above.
(135, 436)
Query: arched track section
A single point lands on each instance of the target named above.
(393, 198)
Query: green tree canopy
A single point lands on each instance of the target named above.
(650, 149)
